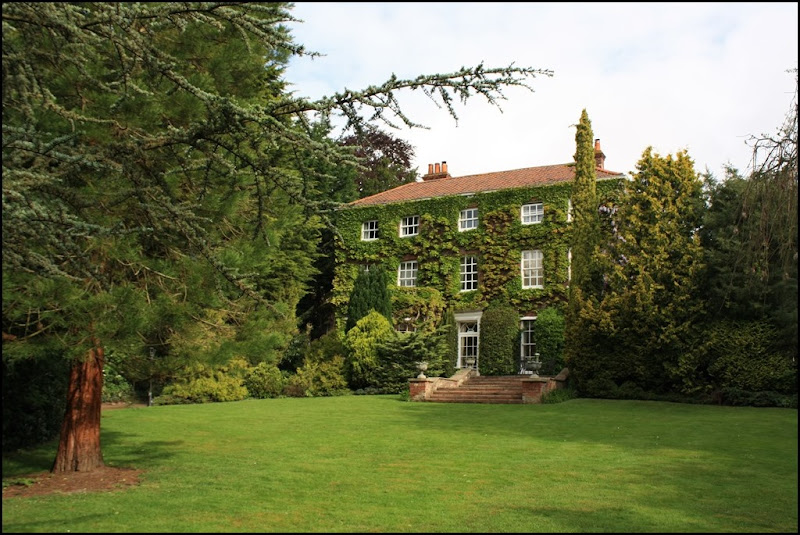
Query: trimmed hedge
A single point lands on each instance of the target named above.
(498, 351)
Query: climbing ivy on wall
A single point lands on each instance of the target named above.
(497, 243)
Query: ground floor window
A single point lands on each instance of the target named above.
(527, 342)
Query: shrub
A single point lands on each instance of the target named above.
(559, 395)
(205, 384)
(361, 343)
(264, 381)
(398, 358)
(743, 356)
(548, 330)
(370, 292)
(318, 379)
(499, 335)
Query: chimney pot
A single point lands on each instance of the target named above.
(599, 155)
(444, 167)
(430, 168)
(438, 169)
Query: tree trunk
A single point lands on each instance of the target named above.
(79, 446)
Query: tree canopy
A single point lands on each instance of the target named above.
(161, 186)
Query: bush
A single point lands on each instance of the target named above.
(548, 331)
(738, 397)
(499, 336)
(361, 343)
(743, 356)
(318, 379)
(206, 384)
(398, 358)
(370, 292)
(264, 381)
(559, 395)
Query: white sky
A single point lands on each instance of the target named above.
(674, 76)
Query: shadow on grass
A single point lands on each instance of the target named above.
(127, 453)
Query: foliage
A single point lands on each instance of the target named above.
(370, 292)
(586, 280)
(559, 395)
(204, 384)
(498, 348)
(115, 386)
(361, 343)
(322, 371)
(736, 287)
(743, 355)
(650, 310)
(747, 398)
(398, 358)
(769, 200)
(264, 381)
(451, 341)
(318, 379)
(548, 331)
(386, 161)
(585, 216)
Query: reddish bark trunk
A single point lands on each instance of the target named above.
(79, 446)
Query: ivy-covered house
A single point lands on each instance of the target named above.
(465, 243)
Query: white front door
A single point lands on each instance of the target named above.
(468, 345)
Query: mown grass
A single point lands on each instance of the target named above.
(378, 464)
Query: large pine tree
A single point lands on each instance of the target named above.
(155, 179)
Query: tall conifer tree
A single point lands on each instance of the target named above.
(585, 237)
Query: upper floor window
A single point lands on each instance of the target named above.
(532, 213)
(532, 270)
(407, 273)
(409, 226)
(369, 230)
(469, 273)
(468, 219)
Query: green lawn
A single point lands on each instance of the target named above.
(378, 464)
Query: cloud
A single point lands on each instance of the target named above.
(694, 76)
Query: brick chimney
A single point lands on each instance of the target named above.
(599, 155)
(436, 171)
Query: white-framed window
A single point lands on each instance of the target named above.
(409, 226)
(469, 273)
(532, 213)
(407, 273)
(569, 264)
(532, 270)
(569, 210)
(369, 230)
(527, 342)
(468, 219)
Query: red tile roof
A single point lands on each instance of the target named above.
(545, 175)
